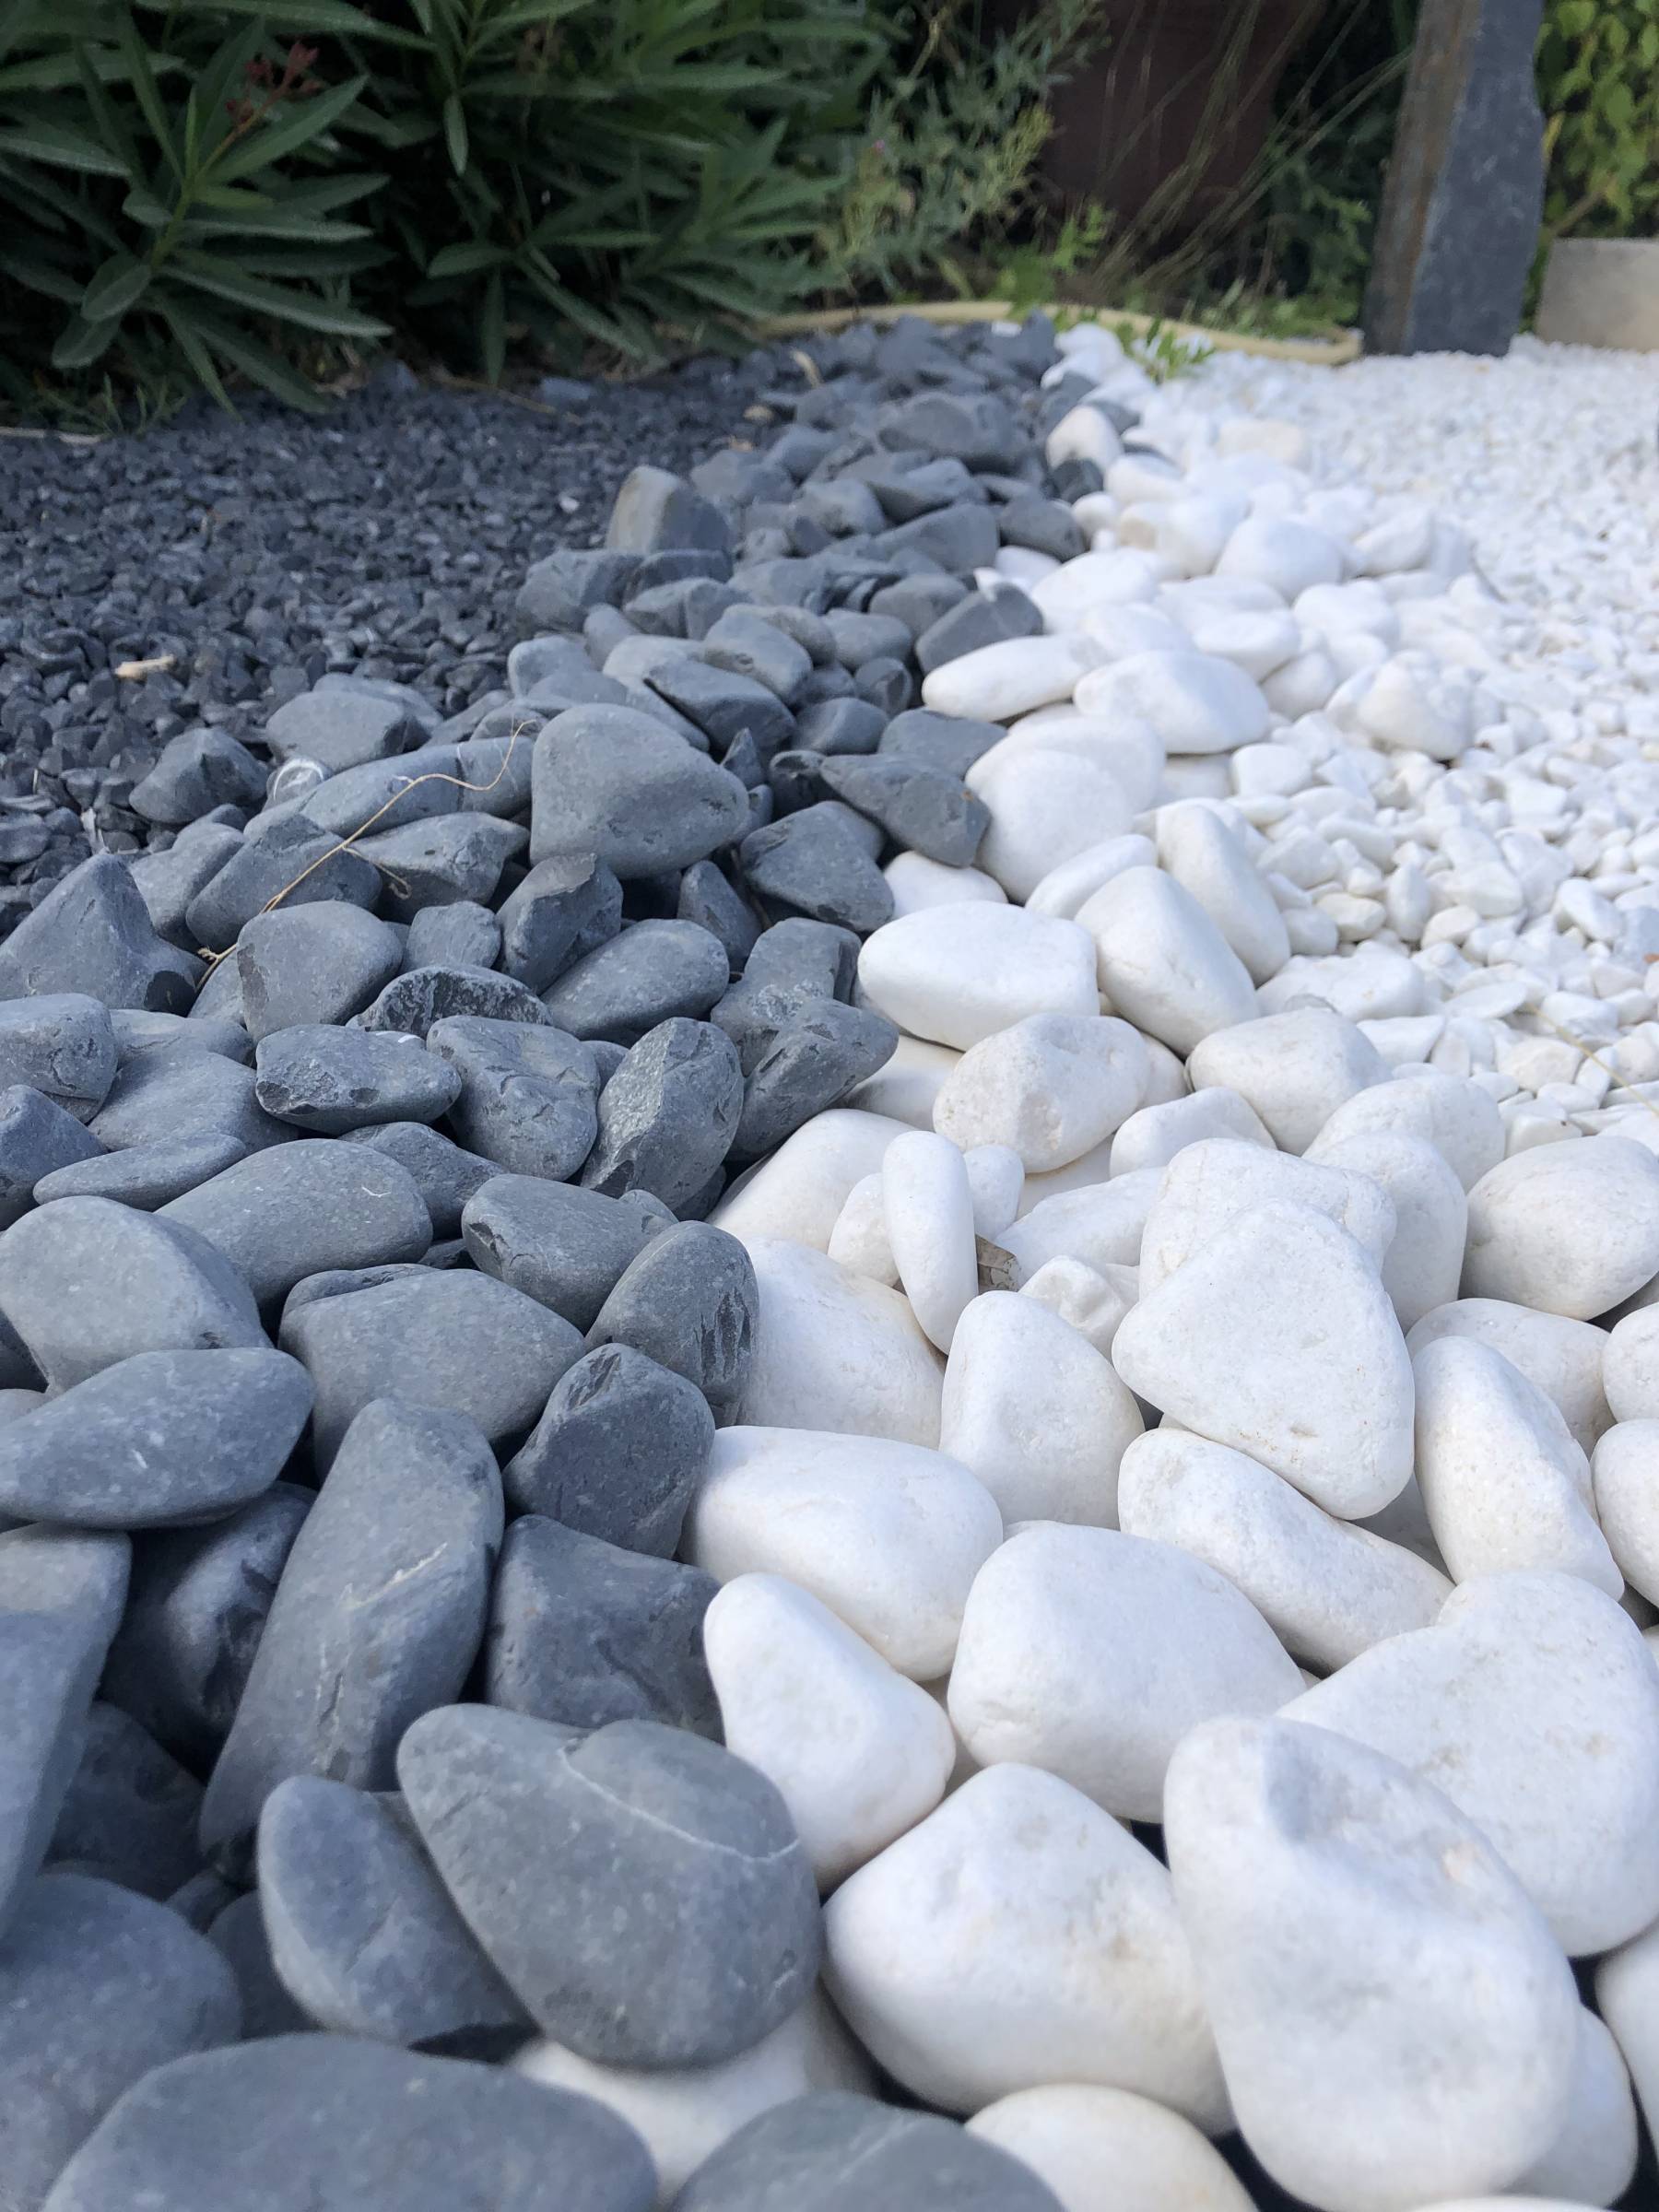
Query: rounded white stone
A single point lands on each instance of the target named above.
(1287, 555)
(1204, 856)
(859, 1240)
(1037, 1412)
(1424, 1262)
(1092, 580)
(1624, 1473)
(928, 1205)
(1019, 1936)
(918, 883)
(1564, 1358)
(1197, 702)
(1278, 1339)
(800, 1191)
(997, 1178)
(685, 2113)
(1450, 1113)
(1049, 1088)
(1045, 806)
(1571, 1228)
(837, 1352)
(1328, 1590)
(1210, 1184)
(888, 1536)
(993, 683)
(1109, 2150)
(903, 1090)
(1295, 1068)
(1151, 1137)
(1162, 963)
(1503, 1483)
(1627, 1993)
(1066, 885)
(1592, 2160)
(1101, 1223)
(955, 974)
(1631, 1366)
(1533, 1704)
(1395, 2021)
(857, 1751)
(1092, 1300)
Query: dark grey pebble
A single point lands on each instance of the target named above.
(563, 1246)
(91, 935)
(341, 729)
(313, 963)
(156, 1095)
(691, 1302)
(656, 511)
(984, 619)
(463, 934)
(62, 1044)
(612, 781)
(451, 1338)
(707, 898)
(643, 1892)
(668, 1117)
(794, 963)
(744, 642)
(377, 1619)
(562, 909)
(297, 1210)
(131, 1810)
(332, 1080)
(445, 1175)
(807, 1063)
(138, 1034)
(202, 1899)
(148, 1176)
(335, 2124)
(618, 1453)
(414, 1001)
(447, 858)
(650, 972)
(168, 878)
(584, 1632)
(194, 772)
(840, 725)
(722, 704)
(295, 862)
(37, 1137)
(922, 809)
(238, 1934)
(812, 864)
(528, 1097)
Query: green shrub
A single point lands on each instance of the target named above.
(1598, 81)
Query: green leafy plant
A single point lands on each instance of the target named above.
(1598, 81)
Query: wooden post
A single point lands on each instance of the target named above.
(1459, 222)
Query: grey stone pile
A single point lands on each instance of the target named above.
(364, 1338)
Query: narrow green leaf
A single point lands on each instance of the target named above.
(141, 206)
(301, 308)
(466, 259)
(190, 345)
(114, 286)
(334, 16)
(264, 368)
(147, 90)
(61, 147)
(42, 277)
(454, 132)
(299, 123)
(82, 343)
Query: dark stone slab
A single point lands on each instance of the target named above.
(618, 1452)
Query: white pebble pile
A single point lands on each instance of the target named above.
(1190, 1540)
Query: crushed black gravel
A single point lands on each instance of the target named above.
(386, 538)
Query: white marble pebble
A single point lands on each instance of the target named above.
(1070, 882)
(1396, 2021)
(955, 974)
(1631, 1366)
(1210, 1184)
(928, 1206)
(1565, 1358)
(1048, 1087)
(835, 1350)
(1079, 588)
(1571, 1228)
(685, 2113)
(1092, 1299)
(1294, 1068)
(1020, 1936)
(903, 1090)
(1198, 702)
(1036, 1411)
(918, 883)
(1045, 806)
(1195, 846)
(1109, 2150)
(888, 1536)
(1084, 434)
(1626, 1996)
(1131, 752)
(993, 683)
(1101, 1222)
(1624, 1475)
(1328, 1590)
(997, 1180)
(858, 1752)
(1162, 963)
(859, 1240)
(1151, 1137)
(1592, 2160)
(800, 1191)
(1503, 1483)
(1288, 555)
(1278, 1339)
(1533, 1703)
(1423, 1264)
(1091, 1654)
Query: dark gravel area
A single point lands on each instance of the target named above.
(386, 538)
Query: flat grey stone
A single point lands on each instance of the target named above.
(69, 1574)
(691, 1304)
(922, 809)
(146, 1177)
(49, 1663)
(668, 1114)
(835, 2152)
(613, 782)
(564, 908)
(657, 510)
(811, 863)
(37, 1137)
(447, 858)
(97, 1986)
(863, 636)
(618, 1453)
(445, 1175)
(406, 788)
(563, 1246)
(960, 537)
(140, 1035)
(62, 1045)
(584, 1632)
(313, 963)
(1043, 526)
(300, 1208)
(555, 659)
(452, 1339)
(194, 773)
(558, 590)
(426, 717)
(341, 729)
(238, 1934)
(707, 898)
(91, 935)
(377, 1619)
(156, 1095)
(807, 1063)
(643, 1892)
(131, 1810)
(296, 863)
(414, 1001)
(650, 973)
(794, 965)
(982, 619)
(744, 642)
(86, 1283)
(197, 1607)
(528, 1097)
(362, 1931)
(463, 934)
(168, 880)
(332, 1080)
(159, 1440)
(725, 705)
(333, 2123)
